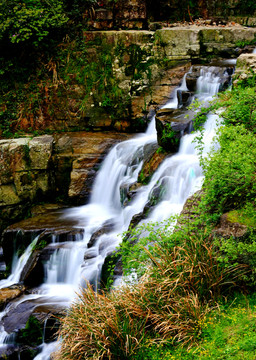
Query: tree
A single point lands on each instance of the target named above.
(30, 21)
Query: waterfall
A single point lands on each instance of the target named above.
(72, 263)
(18, 264)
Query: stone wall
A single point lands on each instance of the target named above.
(128, 14)
(199, 42)
(136, 14)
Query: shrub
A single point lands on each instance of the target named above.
(240, 106)
(230, 172)
(30, 20)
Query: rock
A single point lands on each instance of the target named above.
(134, 222)
(78, 159)
(191, 80)
(90, 254)
(171, 125)
(40, 151)
(53, 224)
(107, 227)
(151, 164)
(128, 192)
(45, 208)
(179, 43)
(228, 228)
(184, 98)
(245, 67)
(156, 195)
(25, 175)
(10, 293)
(32, 274)
(190, 209)
(44, 168)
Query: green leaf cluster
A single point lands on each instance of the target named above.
(230, 171)
(30, 20)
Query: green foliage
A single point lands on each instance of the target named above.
(32, 333)
(227, 333)
(230, 171)
(170, 138)
(240, 107)
(134, 257)
(200, 114)
(245, 216)
(30, 20)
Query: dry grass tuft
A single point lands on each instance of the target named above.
(168, 304)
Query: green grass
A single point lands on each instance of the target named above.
(227, 333)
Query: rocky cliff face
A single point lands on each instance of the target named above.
(26, 174)
(113, 80)
(42, 168)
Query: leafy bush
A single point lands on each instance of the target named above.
(240, 106)
(230, 171)
(30, 20)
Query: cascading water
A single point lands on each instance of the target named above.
(72, 263)
(18, 264)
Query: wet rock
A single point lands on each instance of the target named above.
(90, 254)
(184, 98)
(77, 162)
(19, 314)
(171, 125)
(107, 227)
(106, 245)
(191, 80)
(45, 208)
(2, 265)
(128, 192)
(136, 219)
(33, 272)
(156, 195)
(190, 209)
(151, 164)
(53, 224)
(10, 293)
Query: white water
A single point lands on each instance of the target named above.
(18, 264)
(180, 174)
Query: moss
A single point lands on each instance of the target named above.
(32, 334)
(239, 216)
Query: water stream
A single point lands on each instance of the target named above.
(181, 176)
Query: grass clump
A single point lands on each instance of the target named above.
(167, 305)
